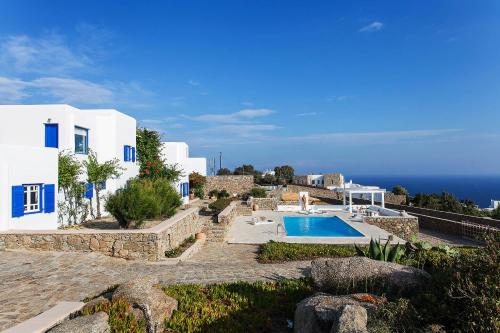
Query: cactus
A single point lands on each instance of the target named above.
(377, 251)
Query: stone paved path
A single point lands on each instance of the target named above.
(32, 282)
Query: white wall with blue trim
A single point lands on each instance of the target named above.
(178, 153)
(21, 167)
(109, 133)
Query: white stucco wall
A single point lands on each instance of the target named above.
(178, 153)
(21, 165)
(108, 131)
(197, 164)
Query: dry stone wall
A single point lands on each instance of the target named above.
(147, 244)
(234, 185)
(402, 226)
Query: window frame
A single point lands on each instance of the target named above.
(86, 140)
(27, 201)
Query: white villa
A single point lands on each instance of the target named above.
(31, 137)
(178, 153)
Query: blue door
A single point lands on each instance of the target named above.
(52, 135)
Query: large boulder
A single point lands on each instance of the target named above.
(95, 323)
(146, 295)
(361, 274)
(327, 313)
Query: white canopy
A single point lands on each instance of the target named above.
(363, 190)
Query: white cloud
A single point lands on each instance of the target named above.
(12, 90)
(307, 114)
(177, 101)
(194, 83)
(372, 137)
(47, 70)
(372, 27)
(73, 91)
(47, 55)
(235, 117)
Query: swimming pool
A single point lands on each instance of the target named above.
(319, 226)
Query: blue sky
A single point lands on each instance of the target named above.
(360, 87)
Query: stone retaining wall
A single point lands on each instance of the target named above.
(227, 216)
(148, 244)
(266, 203)
(234, 185)
(402, 226)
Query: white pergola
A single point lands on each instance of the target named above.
(350, 191)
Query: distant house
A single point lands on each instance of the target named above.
(31, 137)
(178, 153)
(325, 180)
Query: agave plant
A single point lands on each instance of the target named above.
(377, 251)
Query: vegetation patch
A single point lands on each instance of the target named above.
(273, 252)
(258, 192)
(121, 318)
(178, 251)
(237, 307)
(219, 205)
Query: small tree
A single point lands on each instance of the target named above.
(149, 156)
(496, 213)
(400, 190)
(73, 208)
(284, 173)
(224, 172)
(99, 173)
(173, 173)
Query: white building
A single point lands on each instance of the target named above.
(34, 134)
(178, 153)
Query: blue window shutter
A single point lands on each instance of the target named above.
(187, 189)
(17, 201)
(52, 135)
(133, 154)
(181, 189)
(90, 191)
(49, 197)
(126, 157)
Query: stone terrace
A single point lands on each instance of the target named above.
(32, 282)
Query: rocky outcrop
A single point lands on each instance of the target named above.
(95, 323)
(360, 274)
(334, 314)
(146, 295)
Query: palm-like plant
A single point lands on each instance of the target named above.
(377, 251)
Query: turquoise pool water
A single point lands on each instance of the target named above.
(319, 226)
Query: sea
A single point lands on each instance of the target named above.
(480, 189)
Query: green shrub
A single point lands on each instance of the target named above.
(222, 194)
(199, 193)
(143, 199)
(279, 252)
(219, 205)
(474, 292)
(258, 192)
(213, 193)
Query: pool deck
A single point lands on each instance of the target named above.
(244, 232)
